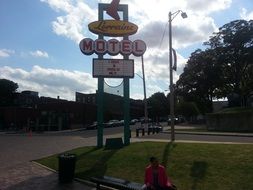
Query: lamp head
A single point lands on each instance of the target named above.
(183, 15)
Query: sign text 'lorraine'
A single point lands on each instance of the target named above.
(112, 47)
(114, 28)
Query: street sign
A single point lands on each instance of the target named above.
(113, 68)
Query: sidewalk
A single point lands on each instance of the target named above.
(30, 176)
(181, 131)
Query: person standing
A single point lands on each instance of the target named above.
(156, 177)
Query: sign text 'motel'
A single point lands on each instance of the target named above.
(112, 47)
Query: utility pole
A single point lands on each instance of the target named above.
(172, 103)
(172, 124)
(144, 89)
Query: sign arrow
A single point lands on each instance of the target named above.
(112, 10)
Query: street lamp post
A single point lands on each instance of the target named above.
(172, 114)
(144, 91)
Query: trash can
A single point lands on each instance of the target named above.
(66, 165)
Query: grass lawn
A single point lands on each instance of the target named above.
(191, 166)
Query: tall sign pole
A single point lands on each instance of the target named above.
(100, 92)
(126, 90)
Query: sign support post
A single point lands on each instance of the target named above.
(126, 91)
(100, 93)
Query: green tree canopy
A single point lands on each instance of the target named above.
(234, 44)
(158, 105)
(7, 89)
(224, 68)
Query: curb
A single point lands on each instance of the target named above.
(85, 182)
(187, 141)
(43, 166)
(211, 134)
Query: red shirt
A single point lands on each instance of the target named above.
(163, 179)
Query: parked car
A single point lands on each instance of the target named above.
(112, 123)
(143, 120)
(176, 120)
(133, 121)
(121, 122)
(94, 125)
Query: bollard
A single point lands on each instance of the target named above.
(137, 133)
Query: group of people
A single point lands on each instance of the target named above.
(156, 177)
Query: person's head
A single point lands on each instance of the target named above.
(154, 162)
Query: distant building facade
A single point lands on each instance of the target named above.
(42, 113)
(113, 105)
(45, 114)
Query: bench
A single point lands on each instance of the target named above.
(115, 183)
(113, 143)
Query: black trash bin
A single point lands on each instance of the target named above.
(66, 165)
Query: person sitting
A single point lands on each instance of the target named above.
(156, 177)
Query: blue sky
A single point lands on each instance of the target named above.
(39, 40)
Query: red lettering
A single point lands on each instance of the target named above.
(139, 47)
(112, 43)
(136, 47)
(100, 46)
(87, 46)
(126, 46)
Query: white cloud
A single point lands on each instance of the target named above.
(137, 96)
(183, 33)
(39, 53)
(246, 15)
(77, 15)
(6, 52)
(156, 64)
(206, 7)
(50, 82)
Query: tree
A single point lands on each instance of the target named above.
(224, 68)
(234, 44)
(8, 88)
(200, 80)
(158, 105)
